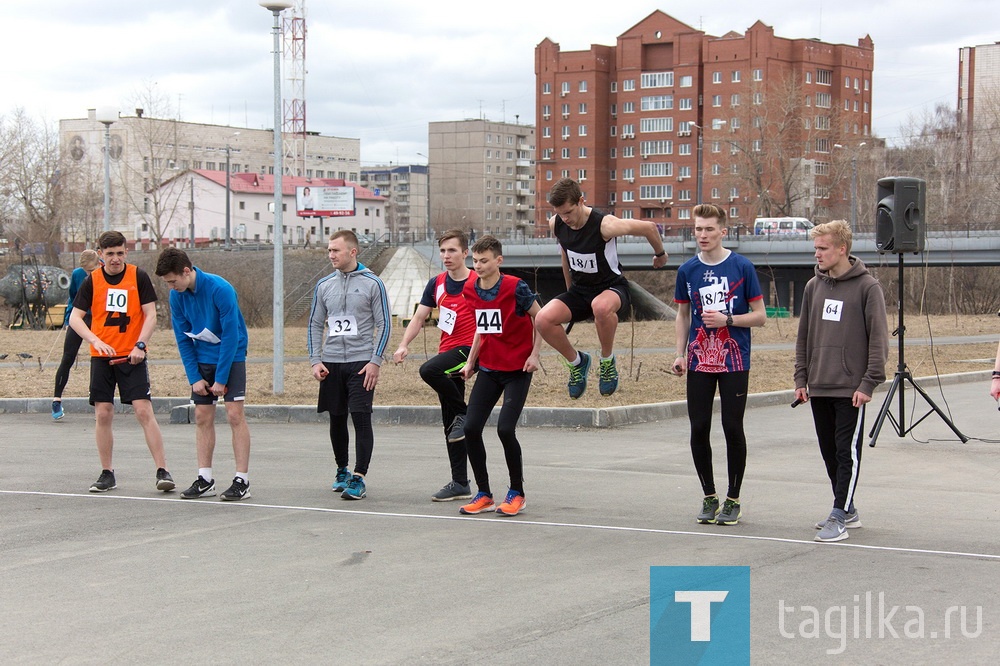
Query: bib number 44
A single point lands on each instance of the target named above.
(489, 322)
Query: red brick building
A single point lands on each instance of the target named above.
(759, 124)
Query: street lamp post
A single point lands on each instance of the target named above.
(229, 196)
(278, 314)
(107, 116)
(701, 141)
(854, 186)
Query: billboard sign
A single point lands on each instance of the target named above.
(324, 201)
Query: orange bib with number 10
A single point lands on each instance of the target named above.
(117, 313)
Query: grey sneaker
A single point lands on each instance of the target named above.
(852, 521)
(709, 509)
(833, 530)
(730, 514)
(104, 483)
(456, 431)
(164, 481)
(452, 491)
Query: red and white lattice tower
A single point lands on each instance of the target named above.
(294, 96)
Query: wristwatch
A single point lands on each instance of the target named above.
(141, 346)
(660, 254)
(729, 319)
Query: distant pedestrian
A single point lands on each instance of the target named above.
(89, 261)
(212, 339)
(349, 328)
(840, 354)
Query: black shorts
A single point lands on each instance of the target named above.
(132, 381)
(578, 299)
(343, 390)
(236, 388)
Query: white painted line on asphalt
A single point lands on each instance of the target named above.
(514, 521)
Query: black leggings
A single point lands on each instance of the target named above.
(732, 386)
(487, 390)
(364, 440)
(71, 347)
(441, 374)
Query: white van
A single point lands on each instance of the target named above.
(782, 226)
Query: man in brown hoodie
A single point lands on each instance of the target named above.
(840, 356)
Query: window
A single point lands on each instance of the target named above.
(855, 106)
(627, 213)
(546, 155)
(716, 100)
(256, 216)
(734, 100)
(655, 169)
(736, 76)
(628, 195)
(807, 124)
(733, 213)
(685, 172)
(758, 145)
(546, 132)
(583, 86)
(824, 100)
(733, 193)
(684, 149)
(628, 174)
(656, 125)
(614, 130)
(565, 88)
(628, 151)
(758, 98)
(809, 77)
(489, 199)
(489, 168)
(684, 195)
(614, 110)
(582, 130)
(684, 214)
(628, 84)
(734, 123)
(822, 145)
(583, 107)
(822, 168)
(656, 147)
(715, 193)
(614, 154)
(565, 131)
(684, 104)
(847, 105)
(657, 80)
(656, 102)
(656, 192)
(716, 146)
(866, 84)
(546, 88)
(565, 153)
(547, 110)
(716, 169)
(628, 107)
(866, 107)
(628, 130)
(847, 82)
(758, 75)
(808, 100)
(564, 173)
(824, 77)
(548, 174)
(822, 122)
(565, 110)
(758, 122)
(687, 81)
(583, 151)
(614, 86)
(716, 77)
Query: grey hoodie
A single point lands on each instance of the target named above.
(843, 339)
(362, 295)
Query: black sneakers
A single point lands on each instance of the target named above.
(200, 488)
(164, 481)
(238, 491)
(105, 482)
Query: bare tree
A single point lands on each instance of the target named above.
(33, 176)
(151, 160)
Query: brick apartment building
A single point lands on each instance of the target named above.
(753, 122)
(978, 91)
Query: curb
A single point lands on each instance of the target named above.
(181, 411)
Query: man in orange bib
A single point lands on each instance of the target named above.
(122, 301)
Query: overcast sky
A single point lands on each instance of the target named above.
(381, 72)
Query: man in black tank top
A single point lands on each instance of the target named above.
(594, 281)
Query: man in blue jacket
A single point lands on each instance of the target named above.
(212, 338)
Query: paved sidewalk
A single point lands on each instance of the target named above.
(296, 574)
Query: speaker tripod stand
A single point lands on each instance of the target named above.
(903, 375)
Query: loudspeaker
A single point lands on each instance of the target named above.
(899, 217)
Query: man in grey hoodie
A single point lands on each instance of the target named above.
(840, 356)
(349, 328)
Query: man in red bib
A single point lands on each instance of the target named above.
(122, 301)
(442, 372)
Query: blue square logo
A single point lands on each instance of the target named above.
(699, 615)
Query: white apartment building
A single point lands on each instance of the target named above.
(252, 210)
(146, 152)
